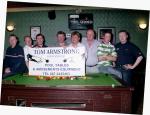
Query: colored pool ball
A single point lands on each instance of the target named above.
(38, 77)
(54, 78)
(67, 77)
(41, 77)
(62, 78)
(48, 78)
(106, 74)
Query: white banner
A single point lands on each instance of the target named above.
(57, 61)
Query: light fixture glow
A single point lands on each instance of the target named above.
(143, 25)
(10, 28)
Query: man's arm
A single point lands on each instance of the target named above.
(138, 60)
(111, 58)
(101, 58)
(107, 58)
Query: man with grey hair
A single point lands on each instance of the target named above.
(91, 45)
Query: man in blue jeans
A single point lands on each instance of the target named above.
(128, 57)
(107, 56)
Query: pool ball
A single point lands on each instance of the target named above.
(67, 77)
(71, 78)
(41, 77)
(106, 74)
(113, 85)
(63, 77)
(47, 78)
(12, 81)
(84, 78)
(54, 78)
(60, 78)
(38, 77)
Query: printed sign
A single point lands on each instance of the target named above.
(57, 61)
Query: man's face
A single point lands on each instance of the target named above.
(12, 41)
(107, 37)
(90, 35)
(75, 39)
(39, 40)
(61, 38)
(123, 37)
(28, 41)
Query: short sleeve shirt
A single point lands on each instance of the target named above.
(106, 49)
(127, 53)
(91, 52)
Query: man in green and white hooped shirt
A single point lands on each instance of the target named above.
(107, 56)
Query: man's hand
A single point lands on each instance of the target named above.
(102, 58)
(111, 58)
(128, 66)
(7, 70)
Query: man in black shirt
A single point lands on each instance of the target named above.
(128, 56)
(40, 41)
(14, 58)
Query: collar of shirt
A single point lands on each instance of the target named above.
(107, 44)
(78, 45)
(26, 46)
(94, 43)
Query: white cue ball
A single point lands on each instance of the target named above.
(71, 78)
(113, 85)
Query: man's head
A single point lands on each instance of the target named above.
(75, 37)
(13, 40)
(107, 37)
(90, 34)
(28, 40)
(40, 39)
(61, 36)
(123, 36)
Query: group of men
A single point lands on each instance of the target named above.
(120, 59)
(101, 56)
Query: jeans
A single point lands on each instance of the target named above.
(93, 69)
(110, 70)
(126, 75)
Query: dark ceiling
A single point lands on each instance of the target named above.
(25, 4)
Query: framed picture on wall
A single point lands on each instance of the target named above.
(102, 30)
(82, 21)
(34, 30)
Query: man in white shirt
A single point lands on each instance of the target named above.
(28, 45)
(91, 45)
(75, 42)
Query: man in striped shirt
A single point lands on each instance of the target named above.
(107, 56)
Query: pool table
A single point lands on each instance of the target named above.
(95, 92)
